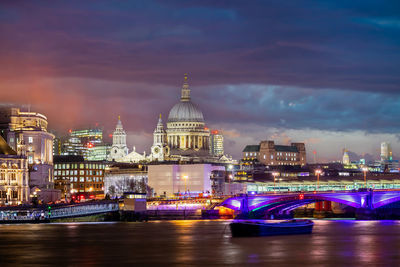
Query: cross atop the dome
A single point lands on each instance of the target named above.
(186, 77)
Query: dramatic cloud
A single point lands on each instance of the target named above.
(292, 70)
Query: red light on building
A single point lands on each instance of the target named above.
(70, 131)
(215, 132)
(301, 196)
(91, 196)
(110, 135)
(90, 145)
(205, 128)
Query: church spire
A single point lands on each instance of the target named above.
(185, 89)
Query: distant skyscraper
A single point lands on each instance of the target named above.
(346, 158)
(87, 143)
(216, 143)
(118, 148)
(386, 152)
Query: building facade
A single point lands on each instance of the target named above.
(185, 179)
(268, 153)
(118, 149)
(14, 176)
(74, 175)
(216, 143)
(186, 135)
(386, 152)
(27, 131)
(120, 178)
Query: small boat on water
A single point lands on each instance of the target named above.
(259, 228)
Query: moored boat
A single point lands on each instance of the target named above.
(259, 228)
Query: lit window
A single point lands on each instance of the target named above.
(30, 139)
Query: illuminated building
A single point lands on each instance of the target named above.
(119, 151)
(74, 174)
(386, 152)
(216, 143)
(118, 148)
(186, 135)
(28, 131)
(346, 158)
(120, 178)
(87, 143)
(98, 152)
(160, 149)
(14, 176)
(268, 153)
(184, 179)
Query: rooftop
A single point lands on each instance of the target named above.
(252, 148)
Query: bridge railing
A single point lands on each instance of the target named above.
(79, 210)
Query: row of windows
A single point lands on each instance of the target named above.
(272, 156)
(81, 166)
(185, 125)
(75, 172)
(14, 194)
(81, 179)
(12, 175)
(99, 186)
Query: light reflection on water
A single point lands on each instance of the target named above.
(335, 243)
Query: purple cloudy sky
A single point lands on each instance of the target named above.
(323, 72)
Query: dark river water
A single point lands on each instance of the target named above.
(188, 243)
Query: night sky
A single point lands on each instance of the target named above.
(326, 73)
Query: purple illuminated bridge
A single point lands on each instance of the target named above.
(273, 203)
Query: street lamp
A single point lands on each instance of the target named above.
(318, 172)
(275, 174)
(365, 169)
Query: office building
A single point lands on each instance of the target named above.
(268, 153)
(75, 175)
(216, 143)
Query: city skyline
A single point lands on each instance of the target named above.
(257, 71)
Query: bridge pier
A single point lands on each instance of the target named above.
(365, 214)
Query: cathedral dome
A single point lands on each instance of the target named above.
(185, 111)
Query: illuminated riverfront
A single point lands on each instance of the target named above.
(199, 133)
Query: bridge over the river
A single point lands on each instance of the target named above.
(47, 213)
(283, 203)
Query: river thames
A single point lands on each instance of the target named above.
(333, 243)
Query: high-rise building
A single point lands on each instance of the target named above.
(386, 151)
(87, 143)
(346, 158)
(26, 130)
(216, 143)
